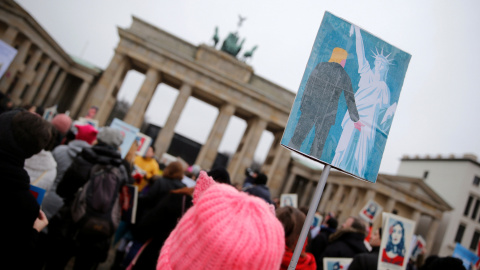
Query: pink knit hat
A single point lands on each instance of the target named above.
(86, 133)
(62, 123)
(224, 229)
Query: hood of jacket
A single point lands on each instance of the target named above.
(75, 147)
(102, 154)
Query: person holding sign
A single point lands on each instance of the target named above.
(319, 102)
(147, 167)
(394, 252)
(371, 98)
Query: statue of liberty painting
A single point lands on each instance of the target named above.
(372, 100)
(343, 112)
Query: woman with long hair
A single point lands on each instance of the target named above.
(394, 252)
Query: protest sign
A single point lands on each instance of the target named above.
(468, 258)
(370, 211)
(143, 142)
(336, 263)
(347, 99)
(86, 121)
(289, 200)
(49, 113)
(7, 54)
(129, 202)
(129, 134)
(418, 247)
(344, 107)
(38, 193)
(396, 244)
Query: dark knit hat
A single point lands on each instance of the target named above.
(220, 175)
(23, 134)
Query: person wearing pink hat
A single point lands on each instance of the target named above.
(224, 229)
(86, 133)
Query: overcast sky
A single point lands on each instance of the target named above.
(437, 107)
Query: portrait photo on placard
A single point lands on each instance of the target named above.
(336, 263)
(370, 211)
(396, 242)
(347, 99)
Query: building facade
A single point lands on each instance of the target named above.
(42, 73)
(345, 196)
(457, 180)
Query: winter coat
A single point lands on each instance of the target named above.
(158, 223)
(19, 207)
(63, 155)
(365, 261)
(42, 169)
(320, 242)
(158, 190)
(79, 172)
(260, 191)
(344, 243)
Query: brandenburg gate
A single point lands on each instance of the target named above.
(209, 75)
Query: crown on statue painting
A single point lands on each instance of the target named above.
(381, 57)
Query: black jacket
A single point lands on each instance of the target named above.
(79, 172)
(159, 189)
(320, 242)
(157, 224)
(344, 243)
(19, 207)
(365, 261)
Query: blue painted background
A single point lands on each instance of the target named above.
(335, 32)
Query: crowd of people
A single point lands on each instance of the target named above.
(186, 218)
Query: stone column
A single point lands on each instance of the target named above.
(46, 85)
(336, 200)
(137, 111)
(10, 35)
(325, 197)
(208, 153)
(306, 193)
(289, 184)
(26, 76)
(79, 98)
(416, 217)
(246, 149)
(166, 134)
(390, 205)
(56, 89)
(370, 195)
(431, 234)
(32, 89)
(276, 165)
(348, 206)
(16, 65)
(101, 95)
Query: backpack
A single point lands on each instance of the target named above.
(96, 207)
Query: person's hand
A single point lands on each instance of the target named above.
(41, 222)
(358, 125)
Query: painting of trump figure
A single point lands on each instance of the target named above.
(347, 99)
